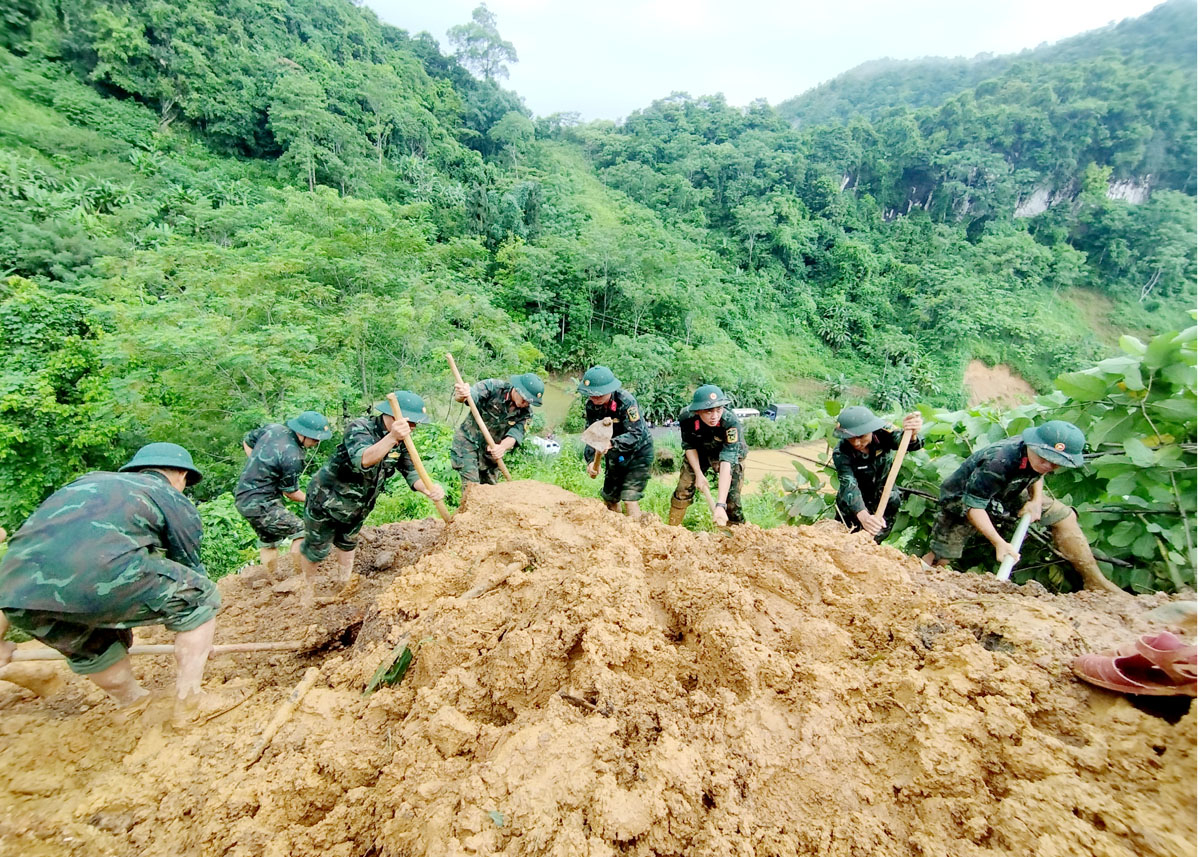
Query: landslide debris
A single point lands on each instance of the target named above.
(588, 685)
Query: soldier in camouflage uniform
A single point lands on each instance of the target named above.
(345, 489)
(628, 461)
(712, 440)
(506, 408)
(109, 552)
(862, 461)
(276, 460)
(1007, 478)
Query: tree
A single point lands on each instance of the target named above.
(478, 46)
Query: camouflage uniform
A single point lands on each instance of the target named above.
(344, 492)
(714, 444)
(104, 554)
(468, 452)
(274, 468)
(861, 476)
(995, 479)
(627, 464)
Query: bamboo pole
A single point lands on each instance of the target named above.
(283, 714)
(48, 654)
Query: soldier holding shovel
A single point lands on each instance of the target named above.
(863, 460)
(627, 450)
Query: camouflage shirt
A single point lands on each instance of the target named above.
(1000, 473)
(502, 417)
(722, 442)
(71, 556)
(274, 468)
(861, 474)
(345, 490)
(630, 433)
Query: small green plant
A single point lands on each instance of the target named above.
(228, 542)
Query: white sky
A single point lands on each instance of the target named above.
(607, 58)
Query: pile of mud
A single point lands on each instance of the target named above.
(587, 685)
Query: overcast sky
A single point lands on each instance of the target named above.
(607, 58)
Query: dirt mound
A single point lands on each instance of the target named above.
(587, 685)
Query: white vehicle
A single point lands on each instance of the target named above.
(544, 446)
(743, 413)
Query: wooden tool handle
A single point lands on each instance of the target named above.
(416, 460)
(49, 654)
(892, 474)
(596, 463)
(283, 714)
(487, 435)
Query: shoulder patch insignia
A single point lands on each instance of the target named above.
(393, 455)
(632, 415)
(731, 435)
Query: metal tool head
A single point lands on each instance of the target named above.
(599, 434)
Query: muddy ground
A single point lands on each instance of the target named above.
(617, 687)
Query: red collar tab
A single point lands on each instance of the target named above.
(612, 403)
(697, 425)
(1024, 462)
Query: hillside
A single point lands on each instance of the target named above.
(215, 214)
(584, 684)
(1164, 36)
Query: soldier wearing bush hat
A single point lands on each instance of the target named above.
(1007, 478)
(630, 456)
(109, 552)
(712, 440)
(345, 489)
(862, 461)
(506, 408)
(276, 460)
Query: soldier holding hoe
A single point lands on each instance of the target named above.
(345, 489)
(109, 552)
(862, 460)
(276, 460)
(506, 407)
(1008, 477)
(712, 440)
(630, 453)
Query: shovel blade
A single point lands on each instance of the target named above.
(598, 434)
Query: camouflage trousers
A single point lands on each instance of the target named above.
(952, 530)
(627, 479)
(178, 598)
(272, 522)
(470, 458)
(685, 491)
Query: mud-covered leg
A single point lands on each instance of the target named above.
(1072, 544)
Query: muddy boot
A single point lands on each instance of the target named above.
(39, 680)
(197, 708)
(1072, 544)
(678, 510)
(349, 588)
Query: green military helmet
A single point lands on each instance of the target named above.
(311, 424)
(856, 421)
(530, 387)
(599, 381)
(1057, 441)
(708, 397)
(412, 407)
(170, 455)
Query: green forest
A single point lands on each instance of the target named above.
(217, 213)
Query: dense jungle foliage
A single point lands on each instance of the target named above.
(216, 213)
